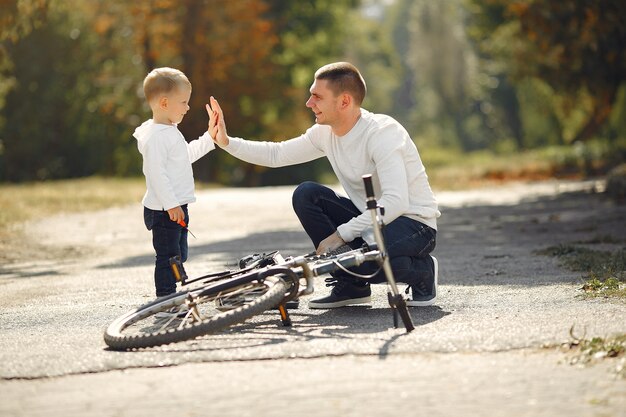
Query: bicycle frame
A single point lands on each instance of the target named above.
(305, 267)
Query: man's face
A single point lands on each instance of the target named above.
(323, 103)
(178, 104)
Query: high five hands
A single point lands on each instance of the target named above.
(217, 126)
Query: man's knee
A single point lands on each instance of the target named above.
(304, 192)
(306, 189)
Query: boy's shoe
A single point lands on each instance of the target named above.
(176, 311)
(344, 293)
(423, 293)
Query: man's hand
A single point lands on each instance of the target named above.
(176, 214)
(217, 126)
(330, 243)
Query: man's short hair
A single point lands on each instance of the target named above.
(343, 77)
(162, 81)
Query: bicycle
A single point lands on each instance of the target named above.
(218, 300)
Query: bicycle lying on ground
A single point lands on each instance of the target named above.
(216, 301)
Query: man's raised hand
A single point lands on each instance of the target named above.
(217, 126)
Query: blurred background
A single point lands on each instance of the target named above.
(495, 89)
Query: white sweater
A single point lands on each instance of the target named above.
(167, 159)
(376, 145)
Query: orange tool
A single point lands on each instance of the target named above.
(184, 226)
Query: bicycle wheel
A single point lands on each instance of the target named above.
(207, 313)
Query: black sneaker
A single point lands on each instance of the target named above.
(424, 294)
(344, 293)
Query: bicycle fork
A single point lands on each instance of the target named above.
(396, 301)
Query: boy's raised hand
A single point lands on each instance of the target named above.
(213, 118)
(217, 126)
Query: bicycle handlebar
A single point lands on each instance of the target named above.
(369, 188)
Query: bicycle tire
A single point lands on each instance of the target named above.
(117, 337)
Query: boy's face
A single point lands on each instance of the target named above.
(175, 105)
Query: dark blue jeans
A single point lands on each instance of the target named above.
(408, 242)
(168, 239)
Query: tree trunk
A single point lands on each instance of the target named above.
(601, 112)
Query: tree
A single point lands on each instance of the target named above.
(73, 74)
(19, 18)
(44, 101)
(576, 47)
(242, 53)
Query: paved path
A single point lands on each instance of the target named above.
(491, 347)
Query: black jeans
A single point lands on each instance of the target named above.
(408, 242)
(168, 239)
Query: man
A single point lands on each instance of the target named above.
(356, 142)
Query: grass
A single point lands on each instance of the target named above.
(589, 351)
(451, 169)
(604, 271)
(31, 201)
(25, 202)
(448, 169)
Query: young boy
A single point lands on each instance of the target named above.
(167, 159)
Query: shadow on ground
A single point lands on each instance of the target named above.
(476, 245)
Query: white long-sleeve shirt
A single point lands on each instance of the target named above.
(167, 159)
(377, 145)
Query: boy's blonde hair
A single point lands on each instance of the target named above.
(162, 81)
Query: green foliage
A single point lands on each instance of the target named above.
(589, 351)
(612, 347)
(62, 114)
(49, 123)
(438, 89)
(308, 34)
(72, 81)
(574, 47)
(605, 272)
(495, 76)
(19, 18)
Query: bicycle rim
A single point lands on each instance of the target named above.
(141, 328)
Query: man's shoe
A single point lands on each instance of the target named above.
(424, 294)
(344, 293)
(176, 311)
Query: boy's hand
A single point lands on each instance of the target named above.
(176, 214)
(217, 126)
(213, 120)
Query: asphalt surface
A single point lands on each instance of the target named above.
(494, 345)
